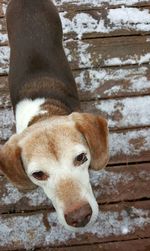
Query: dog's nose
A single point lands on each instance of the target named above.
(79, 217)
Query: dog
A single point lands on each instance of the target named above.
(55, 142)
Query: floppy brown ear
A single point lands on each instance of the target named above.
(95, 131)
(11, 165)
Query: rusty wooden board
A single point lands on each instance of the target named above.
(115, 222)
(114, 184)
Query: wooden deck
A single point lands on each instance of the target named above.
(108, 47)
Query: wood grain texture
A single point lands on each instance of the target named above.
(121, 113)
(105, 22)
(113, 82)
(102, 52)
(3, 25)
(102, 22)
(87, 4)
(114, 184)
(115, 222)
(132, 245)
(94, 84)
(131, 112)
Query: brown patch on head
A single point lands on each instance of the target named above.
(68, 192)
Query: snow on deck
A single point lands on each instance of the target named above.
(111, 64)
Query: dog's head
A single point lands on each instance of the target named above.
(55, 154)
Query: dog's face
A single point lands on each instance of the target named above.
(55, 154)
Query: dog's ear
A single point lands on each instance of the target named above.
(95, 131)
(11, 164)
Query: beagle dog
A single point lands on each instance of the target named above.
(55, 143)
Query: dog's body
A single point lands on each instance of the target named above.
(38, 65)
(55, 143)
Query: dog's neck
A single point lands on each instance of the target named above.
(30, 111)
(41, 98)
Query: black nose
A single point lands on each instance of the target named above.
(79, 217)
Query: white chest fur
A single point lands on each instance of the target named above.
(26, 110)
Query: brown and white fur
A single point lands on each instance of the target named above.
(55, 143)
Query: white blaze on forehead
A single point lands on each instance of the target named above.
(26, 110)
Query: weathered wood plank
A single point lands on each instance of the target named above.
(104, 52)
(3, 6)
(6, 123)
(114, 184)
(115, 222)
(86, 4)
(100, 23)
(3, 38)
(4, 92)
(130, 146)
(4, 59)
(106, 22)
(113, 82)
(132, 245)
(3, 25)
(121, 113)
(100, 52)
(101, 83)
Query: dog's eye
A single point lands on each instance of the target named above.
(40, 175)
(80, 159)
